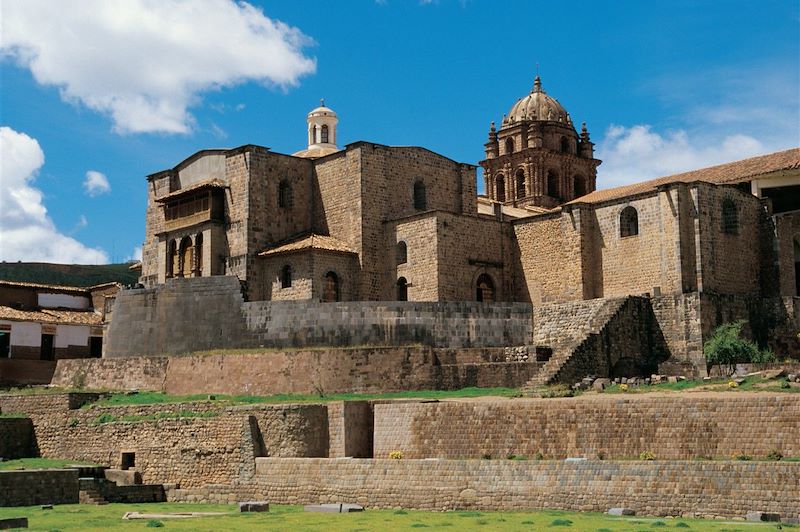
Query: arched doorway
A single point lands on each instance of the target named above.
(185, 257)
(198, 255)
(330, 288)
(402, 289)
(484, 288)
(172, 258)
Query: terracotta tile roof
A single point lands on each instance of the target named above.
(65, 317)
(729, 173)
(327, 243)
(211, 183)
(55, 287)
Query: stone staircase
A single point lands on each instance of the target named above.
(90, 494)
(565, 328)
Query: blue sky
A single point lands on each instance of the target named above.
(96, 94)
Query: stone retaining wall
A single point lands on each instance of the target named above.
(661, 488)
(191, 451)
(16, 438)
(333, 370)
(48, 486)
(672, 427)
(197, 314)
(44, 403)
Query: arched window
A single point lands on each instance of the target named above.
(730, 217)
(172, 258)
(285, 199)
(628, 222)
(324, 134)
(484, 288)
(579, 186)
(185, 257)
(313, 134)
(420, 200)
(552, 185)
(520, 183)
(564, 145)
(500, 186)
(198, 255)
(509, 146)
(286, 276)
(402, 289)
(330, 288)
(401, 253)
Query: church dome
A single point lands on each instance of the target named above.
(322, 111)
(538, 106)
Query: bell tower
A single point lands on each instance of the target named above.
(322, 128)
(537, 157)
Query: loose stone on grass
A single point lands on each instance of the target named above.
(13, 522)
(621, 511)
(763, 516)
(341, 508)
(254, 506)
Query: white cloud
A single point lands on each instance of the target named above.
(136, 255)
(26, 232)
(96, 183)
(145, 62)
(637, 153)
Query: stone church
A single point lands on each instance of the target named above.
(369, 222)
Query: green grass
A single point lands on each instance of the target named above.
(91, 518)
(39, 463)
(13, 415)
(751, 384)
(149, 398)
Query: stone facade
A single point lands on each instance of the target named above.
(707, 489)
(363, 370)
(371, 224)
(28, 488)
(17, 439)
(673, 428)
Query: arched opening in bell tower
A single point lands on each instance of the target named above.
(520, 178)
(500, 188)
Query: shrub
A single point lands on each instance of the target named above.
(538, 456)
(623, 387)
(73, 422)
(775, 455)
(154, 523)
(561, 522)
(742, 457)
(396, 455)
(647, 455)
(727, 348)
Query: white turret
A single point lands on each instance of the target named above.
(322, 123)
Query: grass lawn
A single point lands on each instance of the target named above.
(109, 517)
(38, 463)
(147, 398)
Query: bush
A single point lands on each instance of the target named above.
(775, 455)
(727, 348)
(742, 457)
(647, 455)
(396, 455)
(154, 523)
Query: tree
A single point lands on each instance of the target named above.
(727, 348)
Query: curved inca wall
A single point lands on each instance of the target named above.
(199, 314)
